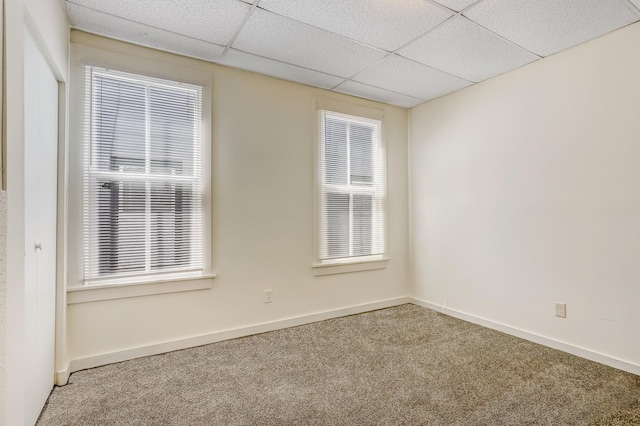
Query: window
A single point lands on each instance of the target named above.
(351, 189)
(143, 177)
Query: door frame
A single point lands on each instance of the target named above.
(17, 21)
(61, 374)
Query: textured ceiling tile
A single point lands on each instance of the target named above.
(548, 26)
(410, 78)
(246, 61)
(369, 92)
(380, 23)
(456, 4)
(100, 23)
(209, 20)
(636, 3)
(467, 50)
(274, 36)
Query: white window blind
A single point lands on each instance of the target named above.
(352, 189)
(142, 198)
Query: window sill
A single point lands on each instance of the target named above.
(94, 293)
(320, 269)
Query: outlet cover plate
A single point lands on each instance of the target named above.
(561, 310)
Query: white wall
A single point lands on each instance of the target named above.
(48, 23)
(3, 294)
(3, 232)
(49, 20)
(263, 230)
(525, 190)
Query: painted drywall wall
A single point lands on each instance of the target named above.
(48, 23)
(524, 192)
(3, 293)
(3, 231)
(51, 22)
(263, 226)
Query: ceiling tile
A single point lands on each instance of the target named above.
(106, 25)
(410, 78)
(209, 20)
(457, 5)
(548, 26)
(636, 3)
(375, 93)
(380, 23)
(277, 37)
(246, 61)
(466, 50)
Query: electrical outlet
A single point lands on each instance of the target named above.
(561, 310)
(268, 296)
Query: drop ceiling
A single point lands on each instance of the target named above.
(401, 52)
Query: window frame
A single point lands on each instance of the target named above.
(93, 216)
(77, 290)
(350, 263)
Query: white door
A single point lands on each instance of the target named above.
(40, 181)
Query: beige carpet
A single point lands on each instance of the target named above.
(400, 366)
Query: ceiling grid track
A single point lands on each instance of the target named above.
(367, 48)
(254, 5)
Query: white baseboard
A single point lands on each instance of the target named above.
(425, 304)
(536, 338)
(62, 377)
(173, 345)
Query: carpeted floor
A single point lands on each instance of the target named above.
(400, 366)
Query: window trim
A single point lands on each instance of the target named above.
(95, 171)
(354, 263)
(81, 56)
(98, 292)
